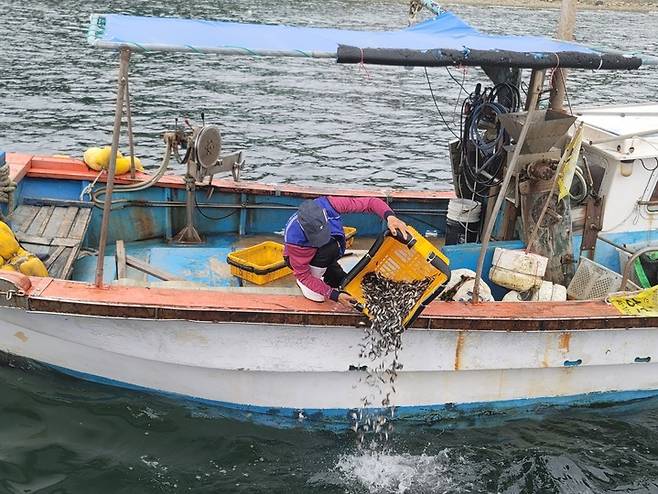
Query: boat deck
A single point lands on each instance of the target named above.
(201, 267)
(54, 233)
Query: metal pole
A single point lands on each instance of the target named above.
(499, 201)
(131, 141)
(565, 31)
(629, 264)
(107, 206)
(622, 137)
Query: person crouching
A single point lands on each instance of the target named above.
(315, 241)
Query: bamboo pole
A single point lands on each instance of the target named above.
(107, 206)
(564, 31)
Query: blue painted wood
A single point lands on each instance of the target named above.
(243, 215)
(43, 188)
(198, 264)
(607, 255)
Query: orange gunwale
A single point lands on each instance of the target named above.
(72, 297)
(64, 168)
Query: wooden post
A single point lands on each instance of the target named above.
(564, 31)
(107, 205)
(122, 267)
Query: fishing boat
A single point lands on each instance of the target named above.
(140, 293)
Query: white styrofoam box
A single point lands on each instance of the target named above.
(549, 291)
(516, 270)
(513, 296)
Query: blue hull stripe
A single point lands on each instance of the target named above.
(339, 418)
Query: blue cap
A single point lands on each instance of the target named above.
(313, 220)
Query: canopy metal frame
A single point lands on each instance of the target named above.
(122, 101)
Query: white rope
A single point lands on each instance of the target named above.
(89, 188)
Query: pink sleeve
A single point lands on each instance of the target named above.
(300, 259)
(372, 205)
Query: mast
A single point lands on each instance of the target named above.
(565, 31)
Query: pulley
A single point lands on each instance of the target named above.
(207, 146)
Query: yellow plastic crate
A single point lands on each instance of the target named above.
(350, 233)
(259, 264)
(393, 258)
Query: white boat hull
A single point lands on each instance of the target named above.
(280, 368)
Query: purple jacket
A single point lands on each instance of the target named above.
(300, 257)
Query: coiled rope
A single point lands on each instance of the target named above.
(7, 188)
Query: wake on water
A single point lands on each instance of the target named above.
(388, 472)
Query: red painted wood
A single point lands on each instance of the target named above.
(181, 298)
(64, 168)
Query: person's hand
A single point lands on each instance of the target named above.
(395, 223)
(347, 300)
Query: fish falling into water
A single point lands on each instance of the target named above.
(388, 303)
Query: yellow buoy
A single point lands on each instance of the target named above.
(99, 158)
(123, 165)
(8, 243)
(29, 265)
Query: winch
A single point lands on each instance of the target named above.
(203, 147)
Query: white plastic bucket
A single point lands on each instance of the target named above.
(464, 210)
(463, 221)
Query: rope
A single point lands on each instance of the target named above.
(7, 187)
(89, 188)
(96, 196)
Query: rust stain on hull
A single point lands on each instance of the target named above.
(564, 341)
(458, 350)
(21, 336)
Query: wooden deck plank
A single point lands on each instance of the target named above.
(40, 221)
(70, 259)
(36, 249)
(54, 221)
(23, 217)
(58, 266)
(53, 255)
(53, 232)
(80, 224)
(67, 222)
(32, 239)
(66, 242)
(150, 270)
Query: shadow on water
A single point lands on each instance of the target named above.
(60, 434)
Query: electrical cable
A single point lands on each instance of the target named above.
(429, 85)
(198, 208)
(483, 138)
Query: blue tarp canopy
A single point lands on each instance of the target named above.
(442, 40)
